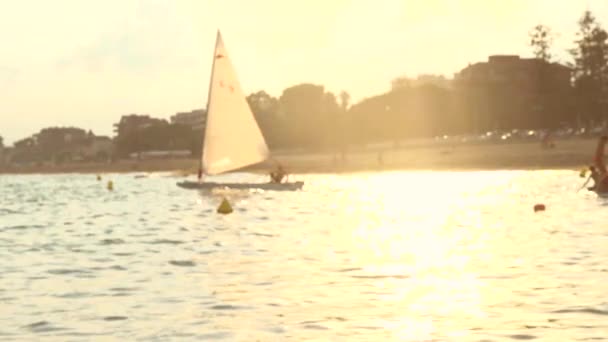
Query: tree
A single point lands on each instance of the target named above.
(344, 100)
(265, 109)
(1, 142)
(401, 82)
(541, 39)
(591, 68)
(343, 125)
(310, 112)
(262, 102)
(130, 135)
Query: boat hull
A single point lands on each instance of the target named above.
(244, 186)
(601, 194)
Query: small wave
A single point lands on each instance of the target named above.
(165, 241)
(41, 326)
(264, 283)
(315, 327)
(336, 318)
(264, 235)
(123, 254)
(115, 318)
(101, 259)
(5, 211)
(344, 270)
(62, 271)
(124, 289)
(112, 241)
(387, 276)
(536, 326)
(22, 227)
(117, 268)
(584, 310)
(74, 295)
(226, 307)
(183, 263)
(522, 337)
(215, 336)
(80, 250)
(367, 327)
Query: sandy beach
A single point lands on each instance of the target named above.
(567, 154)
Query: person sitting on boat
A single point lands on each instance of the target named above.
(277, 175)
(601, 179)
(595, 176)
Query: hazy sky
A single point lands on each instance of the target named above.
(85, 63)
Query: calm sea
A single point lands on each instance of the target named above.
(396, 256)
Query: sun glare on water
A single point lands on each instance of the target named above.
(415, 238)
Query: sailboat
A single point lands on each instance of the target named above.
(232, 139)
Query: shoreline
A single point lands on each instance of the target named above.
(572, 154)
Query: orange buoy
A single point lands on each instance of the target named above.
(539, 207)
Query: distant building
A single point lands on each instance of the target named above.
(59, 144)
(421, 80)
(135, 122)
(508, 92)
(526, 74)
(194, 119)
(100, 148)
(161, 154)
(95, 148)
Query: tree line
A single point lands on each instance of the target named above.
(309, 116)
(589, 65)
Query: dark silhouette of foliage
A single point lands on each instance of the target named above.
(505, 93)
(591, 69)
(139, 133)
(541, 39)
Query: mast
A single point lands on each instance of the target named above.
(200, 161)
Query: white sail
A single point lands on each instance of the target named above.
(232, 136)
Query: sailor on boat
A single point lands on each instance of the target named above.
(595, 176)
(600, 176)
(277, 175)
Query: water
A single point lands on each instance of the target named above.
(404, 256)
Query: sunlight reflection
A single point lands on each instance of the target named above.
(418, 241)
(408, 247)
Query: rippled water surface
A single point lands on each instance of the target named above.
(404, 256)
